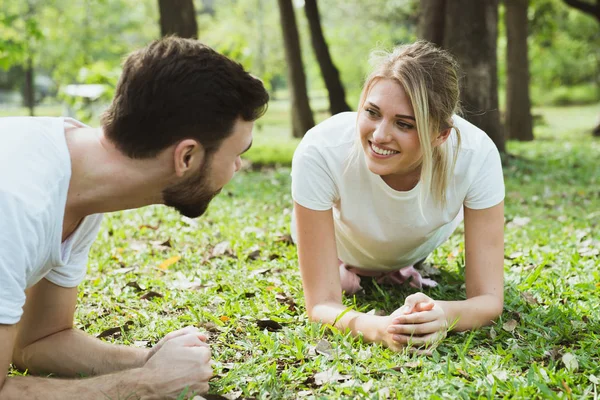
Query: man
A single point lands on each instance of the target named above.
(181, 117)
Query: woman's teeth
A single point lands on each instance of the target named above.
(382, 152)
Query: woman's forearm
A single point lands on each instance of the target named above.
(472, 313)
(371, 327)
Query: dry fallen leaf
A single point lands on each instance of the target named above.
(269, 325)
(116, 331)
(135, 286)
(570, 362)
(518, 222)
(509, 326)
(324, 348)
(150, 295)
(224, 318)
(330, 376)
(168, 262)
(529, 298)
(222, 249)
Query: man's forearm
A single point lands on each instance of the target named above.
(73, 353)
(130, 384)
(472, 313)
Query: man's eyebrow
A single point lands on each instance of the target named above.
(375, 106)
(247, 148)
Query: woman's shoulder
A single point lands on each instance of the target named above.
(472, 138)
(335, 131)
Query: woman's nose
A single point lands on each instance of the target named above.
(381, 135)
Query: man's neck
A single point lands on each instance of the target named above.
(105, 180)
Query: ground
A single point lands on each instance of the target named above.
(235, 274)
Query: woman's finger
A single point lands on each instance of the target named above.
(420, 317)
(416, 329)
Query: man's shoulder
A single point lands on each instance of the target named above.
(35, 161)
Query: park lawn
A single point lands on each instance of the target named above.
(234, 273)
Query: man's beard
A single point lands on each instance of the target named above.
(192, 196)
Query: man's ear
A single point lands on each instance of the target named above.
(442, 137)
(187, 157)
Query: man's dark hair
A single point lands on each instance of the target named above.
(175, 89)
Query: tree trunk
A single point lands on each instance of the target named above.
(588, 8)
(28, 87)
(178, 17)
(471, 30)
(331, 76)
(302, 118)
(518, 104)
(594, 11)
(431, 21)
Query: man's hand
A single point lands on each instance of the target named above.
(420, 322)
(181, 363)
(191, 330)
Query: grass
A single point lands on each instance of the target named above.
(230, 271)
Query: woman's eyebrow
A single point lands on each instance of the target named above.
(397, 115)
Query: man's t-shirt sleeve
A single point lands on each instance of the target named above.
(487, 187)
(72, 273)
(17, 248)
(313, 185)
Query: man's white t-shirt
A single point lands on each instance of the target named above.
(35, 171)
(376, 227)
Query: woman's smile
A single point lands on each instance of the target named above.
(379, 151)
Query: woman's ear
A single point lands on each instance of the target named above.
(442, 137)
(188, 156)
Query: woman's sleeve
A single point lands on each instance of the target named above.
(487, 188)
(313, 184)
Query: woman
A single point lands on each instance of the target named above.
(378, 190)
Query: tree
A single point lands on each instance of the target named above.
(178, 17)
(331, 76)
(594, 11)
(431, 21)
(518, 119)
(474, 46)
(302, 118)
(588, 8)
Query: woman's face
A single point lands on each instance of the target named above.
(388, 133)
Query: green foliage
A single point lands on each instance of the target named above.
(551, 298)
(564, 52)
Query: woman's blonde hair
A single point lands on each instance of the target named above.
(429, 77)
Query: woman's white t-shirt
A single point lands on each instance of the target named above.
(379, 228)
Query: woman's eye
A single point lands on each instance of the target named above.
(404, 126)
(371, 112)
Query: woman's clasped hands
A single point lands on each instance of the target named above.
(420, 323)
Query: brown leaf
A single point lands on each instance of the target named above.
(274, 257)
(135, 286)
(255, 255)
(116, 331)
(283, 299)
(150, 295)
(269, 325)
(509, 326)
(529, 298)
(286, 239)
(153, 227)
(222, 249)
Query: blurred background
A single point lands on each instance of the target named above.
(523, 62)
